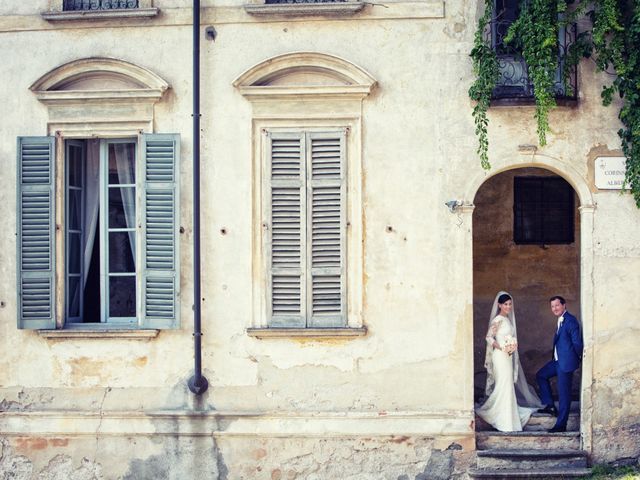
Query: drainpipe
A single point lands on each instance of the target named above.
(198, 383)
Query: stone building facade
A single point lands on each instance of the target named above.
(343, 304)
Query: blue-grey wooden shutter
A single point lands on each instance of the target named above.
(285, 215)
(160, 231)
(326, 250)
(36, 232)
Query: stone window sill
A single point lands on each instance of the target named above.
(524, 102)
(301, 9)
(306, 332)
(100, 14)
(99, 332)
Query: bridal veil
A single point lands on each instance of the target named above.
(525, 394)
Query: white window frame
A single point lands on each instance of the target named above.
(103, 233)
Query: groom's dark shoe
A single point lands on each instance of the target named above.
(549, 410)
(557, 428)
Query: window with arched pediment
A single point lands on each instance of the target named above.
(98, 203)
(307, 124)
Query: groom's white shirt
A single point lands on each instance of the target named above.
(555, 350)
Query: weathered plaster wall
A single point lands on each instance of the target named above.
(209, 456)
(616, 394)
(531, 273)
(412, 375)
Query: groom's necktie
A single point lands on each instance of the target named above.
(555, 350)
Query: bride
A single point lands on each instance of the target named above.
(510, 401)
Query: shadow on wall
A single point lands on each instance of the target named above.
(530, 273)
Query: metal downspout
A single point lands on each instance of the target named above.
(198, 384)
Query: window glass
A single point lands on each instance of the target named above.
(101, 230)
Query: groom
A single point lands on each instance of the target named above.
(567, 353)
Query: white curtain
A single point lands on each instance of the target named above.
(91, 202)
(125, 163)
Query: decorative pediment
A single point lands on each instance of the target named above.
(97, 74)
(86, 94)
(303, 74)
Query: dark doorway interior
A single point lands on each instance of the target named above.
(530, 271)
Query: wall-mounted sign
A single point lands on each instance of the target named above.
(610, 172)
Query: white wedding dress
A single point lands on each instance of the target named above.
(510, 401)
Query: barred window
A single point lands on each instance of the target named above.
(543, 211)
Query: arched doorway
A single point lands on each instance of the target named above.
(527, 241)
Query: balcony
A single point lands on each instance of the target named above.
(515, 87)
(96, 5)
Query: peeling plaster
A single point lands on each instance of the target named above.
(60, 467)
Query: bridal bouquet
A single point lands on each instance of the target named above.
(510, 344)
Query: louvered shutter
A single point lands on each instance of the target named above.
(36, 232)
(326, 191)
(160, 231)
(285, 227)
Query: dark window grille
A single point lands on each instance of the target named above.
(91, 5)
(514, 81)
(271, 2)
(543, 211)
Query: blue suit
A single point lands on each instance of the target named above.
(568, 343)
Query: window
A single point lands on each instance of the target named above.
(514, 81)
(119, 231)
(101, 231)
(543, 211)
(305, 227)
(306, 133)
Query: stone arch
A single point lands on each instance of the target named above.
(555, 165)
(586, 210)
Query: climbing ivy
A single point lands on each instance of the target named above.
(485, 66)
(535, 34)
(616, 41)
(613, 42)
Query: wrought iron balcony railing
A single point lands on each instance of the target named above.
(514, 82)
(92, 5)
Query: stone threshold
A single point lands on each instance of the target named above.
(546, 473)
(530, 453)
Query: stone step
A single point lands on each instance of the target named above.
(498, 458)
(528, 440)
(545, 473)
(542, 421)
(537, 422)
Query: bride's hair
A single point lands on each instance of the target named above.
(503, 298)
